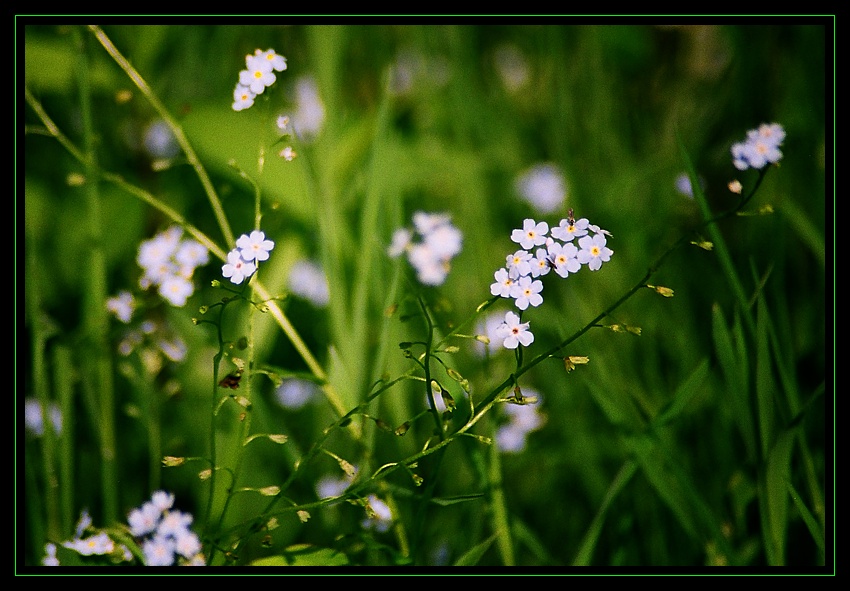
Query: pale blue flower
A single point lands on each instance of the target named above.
(176, 289)
(543, 186)
(294, 393)
(307, 279)
(540, 265)
(513, 332)
(254, 246)
(568, 229)
(99, 544)
(256, 79)
(243, 97)
(760, 148)
(144, 519)
(158, 551)
(593, 251)
(526, 292)
(518, 264)
(531, 234)
(122, 306)
(503, 284)
(50, 558)
(236, 268)
(564, 258)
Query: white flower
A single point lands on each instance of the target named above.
(400, 241)
(514, 332)
(543, 186)
(236, 268)
(532, 234)
(99, 543)
(540, 263)
(593, 251)
(569, 229)
(122, 306)
(158, 551)
(254, 246)
(266, 59)
(309, 115)
(527, 292)
(243, 97)
(256, 79)
(144, 519)
(307, 279)
(518, 264)
(564, 258)
(438, 242)
(176, 289)
(503, 284)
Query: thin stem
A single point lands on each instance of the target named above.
(96, 318)
(426, 365)
(175, 127)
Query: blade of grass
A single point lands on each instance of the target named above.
(474, 554)
(63, 380)
(95, 316)
(591, 536)
(733, 364)
(809, 519)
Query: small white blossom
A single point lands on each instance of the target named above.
(514, 332)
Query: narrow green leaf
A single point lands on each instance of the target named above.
(775, 501)
(474, 554)
(683, 395)
(731, 354)
(808, 518)
(591, 536)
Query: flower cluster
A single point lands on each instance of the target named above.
(242, 261)
(164, 532)
(430, 246)
(520, 278)
(257, 75)
(760, 148)
(168, 261)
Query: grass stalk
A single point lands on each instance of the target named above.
(95, 316)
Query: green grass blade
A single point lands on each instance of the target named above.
(809, 519)
(591, 537)
(733, 363)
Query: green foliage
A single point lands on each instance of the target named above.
(692, 433)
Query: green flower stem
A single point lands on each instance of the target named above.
(96, 320)
(176, 129)
(63, 371)
(501, 525)
(41, 331)
(426, 364)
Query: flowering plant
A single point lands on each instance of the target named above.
(362, 326)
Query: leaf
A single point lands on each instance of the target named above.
(474, 554)
(304, 555)
(446, 501)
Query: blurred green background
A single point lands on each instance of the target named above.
(443, 117)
